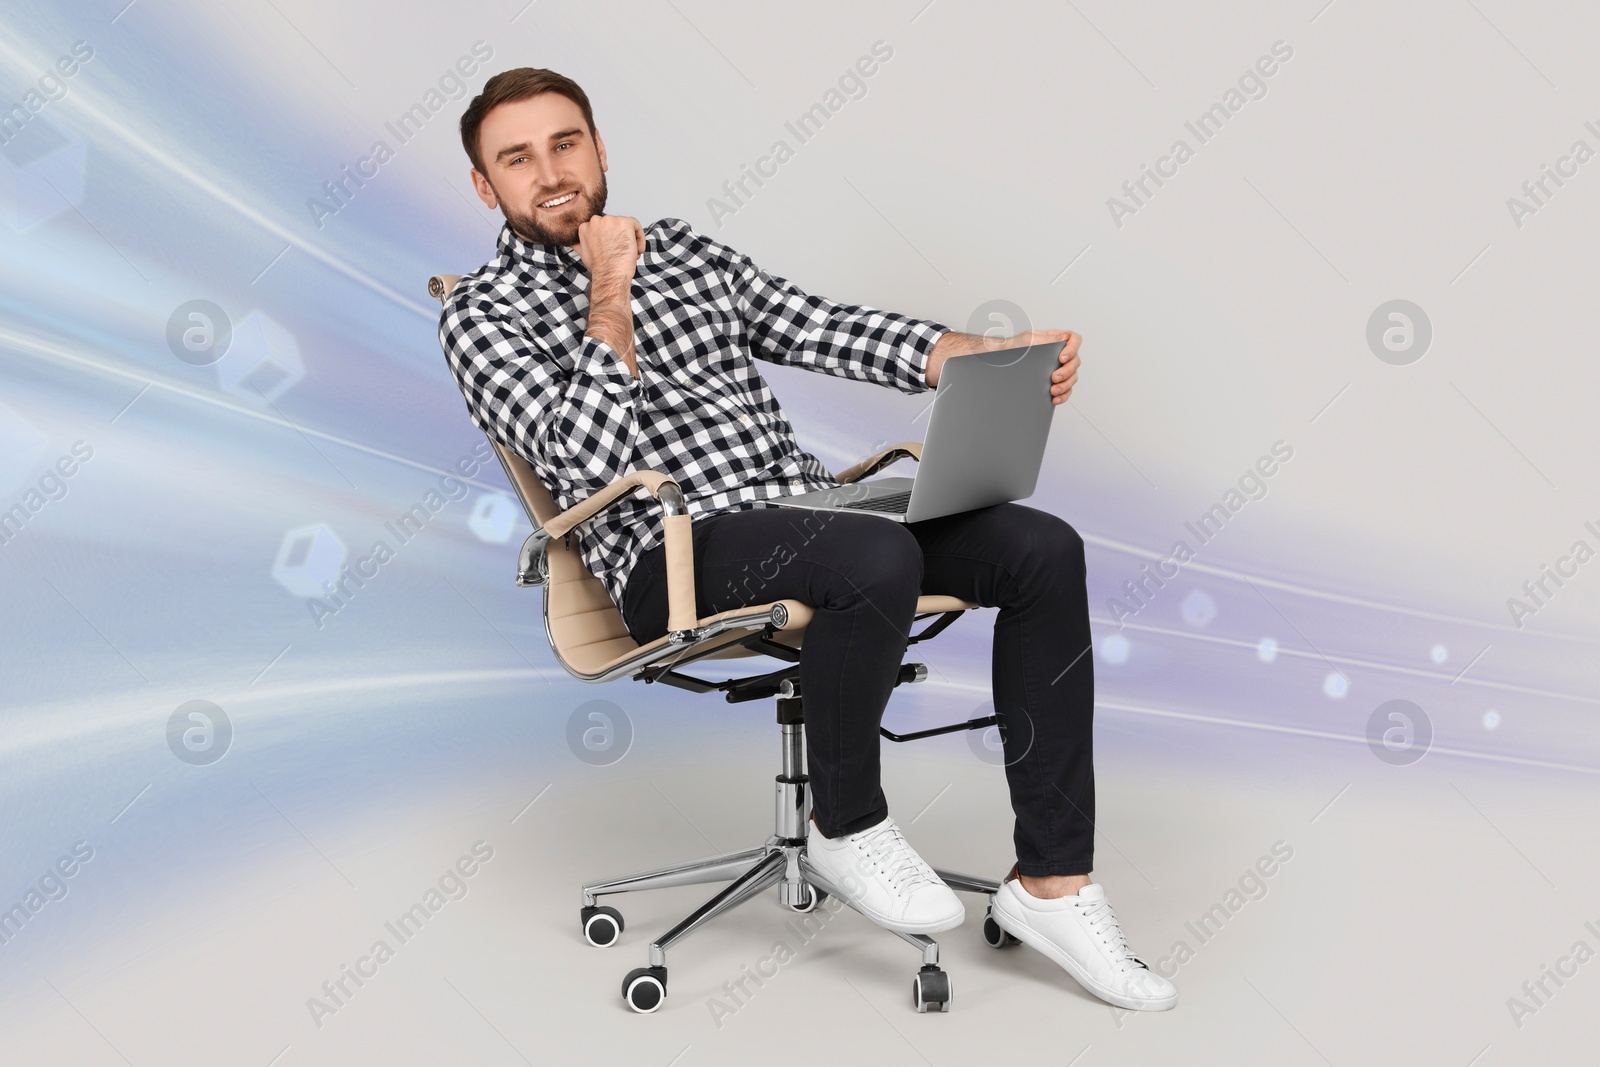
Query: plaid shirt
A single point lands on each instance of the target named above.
(700, 412)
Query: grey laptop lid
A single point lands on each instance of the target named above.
(987, 432)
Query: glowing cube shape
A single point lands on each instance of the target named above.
(1115, 648)
(41, 168)
(262, 360)
(493, 517)
(307, 558)
(1198, 608)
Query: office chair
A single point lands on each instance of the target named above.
(591, 641)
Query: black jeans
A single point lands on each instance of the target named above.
(862, 575)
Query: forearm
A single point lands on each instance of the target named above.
(611, 318)
(958, 344)
(786, 325)
(573, 409)
(1062, 379)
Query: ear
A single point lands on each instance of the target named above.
(600, 147)
(485, 191)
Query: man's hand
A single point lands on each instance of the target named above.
(610, 247)
(1062, 379)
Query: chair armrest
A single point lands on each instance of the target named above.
(876, 462)
(681, 613)
(591, 505)
(440, 285)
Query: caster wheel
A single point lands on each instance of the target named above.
(645, 988)
(931, 986)
(813, 897)
(601, 926)
(995, 937)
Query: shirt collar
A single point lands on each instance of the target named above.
(554, 258)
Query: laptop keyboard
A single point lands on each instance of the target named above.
(894, 502)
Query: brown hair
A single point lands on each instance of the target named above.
(517, 84)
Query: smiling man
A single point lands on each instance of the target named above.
(592, 346)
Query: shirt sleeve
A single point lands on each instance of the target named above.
(790, 327)
(580, 425)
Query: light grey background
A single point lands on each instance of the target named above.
(1227, 313)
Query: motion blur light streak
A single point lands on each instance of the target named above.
(220, 399)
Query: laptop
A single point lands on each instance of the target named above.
(985, 442)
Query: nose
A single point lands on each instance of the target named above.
(546, 178)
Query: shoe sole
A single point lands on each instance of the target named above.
(1050, 949)
(938, 927)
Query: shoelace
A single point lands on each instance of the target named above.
(1103, 921)
(889, 848)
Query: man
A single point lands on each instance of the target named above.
(592, 346)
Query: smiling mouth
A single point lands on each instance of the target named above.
(560, 201)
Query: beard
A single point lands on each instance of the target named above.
(557, 228)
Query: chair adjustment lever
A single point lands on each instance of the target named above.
(970, 724)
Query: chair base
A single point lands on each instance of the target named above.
(779, 861)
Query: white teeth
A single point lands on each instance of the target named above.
(558, 201)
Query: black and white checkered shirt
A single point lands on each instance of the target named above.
(700, 412)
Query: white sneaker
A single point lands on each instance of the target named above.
(1082, 934)
(881, 875)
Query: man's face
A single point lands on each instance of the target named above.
(537, 150)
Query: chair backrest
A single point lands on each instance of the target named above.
(536, 499)
(586, 625)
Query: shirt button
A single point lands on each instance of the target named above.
(746, 420)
